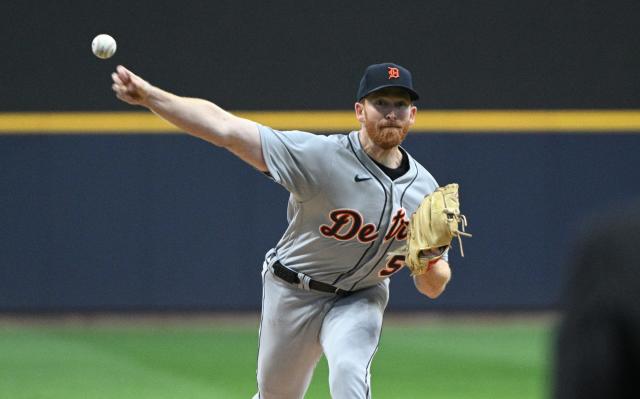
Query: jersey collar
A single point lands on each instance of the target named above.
(371, 165)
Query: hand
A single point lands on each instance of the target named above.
(129, 87)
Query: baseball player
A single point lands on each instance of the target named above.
(326, 282)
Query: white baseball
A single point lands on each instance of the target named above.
(103, 46)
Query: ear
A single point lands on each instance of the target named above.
(412, 114)
(359, 108)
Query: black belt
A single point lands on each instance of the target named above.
(291, 277)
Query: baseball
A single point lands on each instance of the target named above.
(103, 46)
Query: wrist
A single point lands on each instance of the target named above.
(431, 263)
(150, 96)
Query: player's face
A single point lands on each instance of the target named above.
(387, 116)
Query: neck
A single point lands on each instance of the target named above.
(391, 158)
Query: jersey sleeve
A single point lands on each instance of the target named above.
(297, 160)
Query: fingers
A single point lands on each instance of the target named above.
(116, 79)
(124, 74)
(117, 88)
(126, 93)
(121, 92)
(120, 79)
(128, 86)
(118, 85)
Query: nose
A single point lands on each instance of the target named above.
(391, 115)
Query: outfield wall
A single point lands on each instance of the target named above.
(170, 222)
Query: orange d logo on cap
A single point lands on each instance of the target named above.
(394, 73)
(380, 76)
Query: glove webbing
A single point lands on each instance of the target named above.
(457, 233)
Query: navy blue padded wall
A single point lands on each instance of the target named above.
(171, 222)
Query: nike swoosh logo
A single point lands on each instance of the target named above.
(358, 178)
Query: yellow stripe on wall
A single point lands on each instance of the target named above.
(498, 121)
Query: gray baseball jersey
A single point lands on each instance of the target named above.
(344, 213)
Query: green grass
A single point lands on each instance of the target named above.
(444, 362)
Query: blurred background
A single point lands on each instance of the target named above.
(119, 218)
(164, 221)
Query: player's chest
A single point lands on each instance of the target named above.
(368, 210)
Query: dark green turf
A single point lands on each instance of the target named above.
(444, 362)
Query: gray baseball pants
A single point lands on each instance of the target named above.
(299, 325)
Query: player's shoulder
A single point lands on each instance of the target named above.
(303, 137)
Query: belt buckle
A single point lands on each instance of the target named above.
(304, 281)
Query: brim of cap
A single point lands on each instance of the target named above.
(412, 93)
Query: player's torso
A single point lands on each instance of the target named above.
(343, 234)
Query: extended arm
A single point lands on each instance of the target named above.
(197, 117)
(433, 282)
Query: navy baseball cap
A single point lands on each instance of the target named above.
(380, 76)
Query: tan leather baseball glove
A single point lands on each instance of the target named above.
(432, 227)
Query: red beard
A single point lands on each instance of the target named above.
(387, 134)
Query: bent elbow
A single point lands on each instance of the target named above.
(431, 292)
(433, 283)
